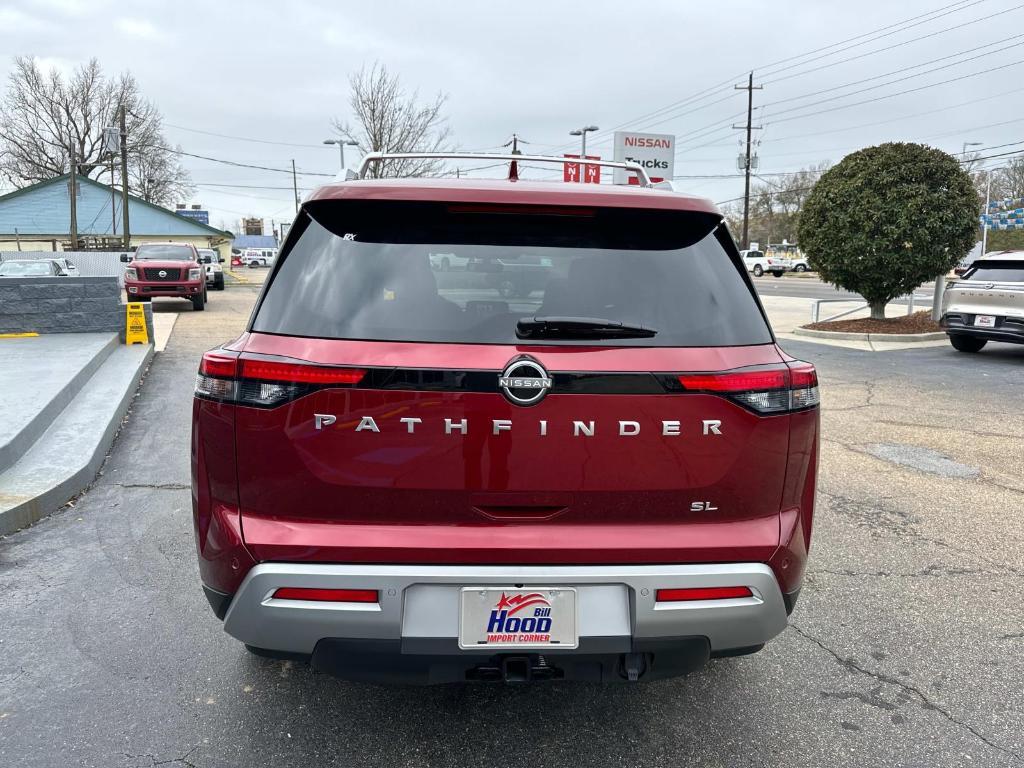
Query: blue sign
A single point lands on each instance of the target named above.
(203, 217)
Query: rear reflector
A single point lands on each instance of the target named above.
(327, 595)
(701, 593)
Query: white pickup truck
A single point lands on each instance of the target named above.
(758, 263)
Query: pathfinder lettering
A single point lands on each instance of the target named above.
(576, 428)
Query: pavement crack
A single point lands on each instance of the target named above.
(879, 520)
(960, 429)
(852, 665)
(156, 486)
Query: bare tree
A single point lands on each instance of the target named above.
(158, 178)
(775, 205)
(1008, 181)
(43, 117)
(387, 118)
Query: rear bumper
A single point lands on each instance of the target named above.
(1008, 329)
(415, 624)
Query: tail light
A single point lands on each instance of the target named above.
(775, 389)
(263, 383)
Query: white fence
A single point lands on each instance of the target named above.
(89, 263)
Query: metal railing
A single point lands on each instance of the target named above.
(379, 157)
(816, 307)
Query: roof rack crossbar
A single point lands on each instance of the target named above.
(379, 157)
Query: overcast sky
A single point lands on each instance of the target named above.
(278, 72)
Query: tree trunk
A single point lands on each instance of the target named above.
(877, 309)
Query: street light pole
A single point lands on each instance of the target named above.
(582, 133)
(984, 226)
(963, 150)
(126, 229)
(341, 148)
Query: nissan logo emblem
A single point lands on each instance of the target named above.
(524, 381)
(162, 273)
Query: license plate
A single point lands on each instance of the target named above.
(985, 321)
(504, 617)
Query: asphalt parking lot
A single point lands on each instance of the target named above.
(905, 649)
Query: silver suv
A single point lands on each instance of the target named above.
(987, 303)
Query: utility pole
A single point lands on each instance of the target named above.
(747, 158)
(988, 199)
(295, 188)
(514, 143)
(113, 201)
(125, 227)
(513, 167)
(74, 199)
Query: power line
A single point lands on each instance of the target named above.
(710, 128)
(895, 72)
(873, 35)
(1016, 153)
(938, 13)
(889, 95)
(244, 165)
(244, 186)
(900, 44)
(945, 108)
(706, 129)
(887, 34)
(773, 121)
(243, 138)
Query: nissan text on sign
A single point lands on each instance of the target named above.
(654, 151)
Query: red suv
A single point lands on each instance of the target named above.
(166, 269)
(405, 475)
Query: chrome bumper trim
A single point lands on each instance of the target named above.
(423, 602)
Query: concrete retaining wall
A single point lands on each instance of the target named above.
(64, 305)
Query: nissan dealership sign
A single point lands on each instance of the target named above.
(654, 151)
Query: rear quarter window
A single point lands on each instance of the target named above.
(369, 270)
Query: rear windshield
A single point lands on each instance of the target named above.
(164, 253)
(998, 272)
(466, 274)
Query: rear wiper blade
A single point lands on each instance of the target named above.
(560, 327)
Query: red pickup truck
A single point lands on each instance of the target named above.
(404, 475)
(166, 269)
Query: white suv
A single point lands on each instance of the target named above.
(214, 270)
(987, 303)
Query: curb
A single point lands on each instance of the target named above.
(24, 510)
(849, 336)
(237, 277)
